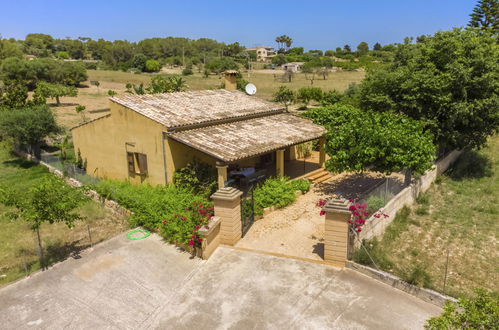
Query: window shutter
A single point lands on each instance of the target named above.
(142, 163)
(131, 162)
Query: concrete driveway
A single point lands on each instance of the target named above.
(144, 284)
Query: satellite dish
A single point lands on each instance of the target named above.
(250, 89)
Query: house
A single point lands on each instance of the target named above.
(263, 53)
(146, 138)
(292, 66)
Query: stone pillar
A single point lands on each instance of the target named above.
(322, 151)
(336, 231)
(228, 207)
(222, 174)
(279, 165)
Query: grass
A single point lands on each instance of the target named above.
(18, 251)
(96, 99)
(458, 215)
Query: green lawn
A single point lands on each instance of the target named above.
(458, 215)
(17, 250)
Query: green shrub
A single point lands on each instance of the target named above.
(372, 249)
(273, 192)
(374, 203)
(187, 72)
(479, 312)
(198, 177)
(175, 212)
(300, 185)
(423, 199)
(417, 275)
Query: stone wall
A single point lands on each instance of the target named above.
(375, 227)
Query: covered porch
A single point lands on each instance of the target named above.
(251, 150)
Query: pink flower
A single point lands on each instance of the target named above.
(200, 240)
(351, 200)
(198, 226)
(355, 213)
(377, 216)
(385, 215)
(207, 227)
(322, 212)
(183, 218)
(359, 230)
(366, 214)
(193, 236)
(191, 242)
(352, 208)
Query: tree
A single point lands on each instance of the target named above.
(285, 96)
(46, 90)
(358, 140)
(284, 42)
(363, 48)
(28, 126)
(479, 312)
(52, 200)
(347, 49)
(152, 66)
(279, 59)
(449, 81)
(13, 95)
(307, 94)
(9, 48)
(80, 109)
(139, 61)
(329, 53)
(159, 84)
(486, 15)
(377, 46)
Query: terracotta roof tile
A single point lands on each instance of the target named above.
(196, 107)
(243, 139)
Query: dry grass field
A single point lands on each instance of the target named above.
(95, 99)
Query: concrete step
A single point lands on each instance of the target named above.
(323, 178)
(317, 175)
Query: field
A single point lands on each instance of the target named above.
(18, 251)
(95, 99)
(459, 217)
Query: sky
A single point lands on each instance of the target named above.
(312, 24)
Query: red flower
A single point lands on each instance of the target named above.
(377, 216)
(321, 202)
(351, 200)
(366, 214)
(385, 215)
(164, 222)
(322, 212)
(201, 205)
(183, 218)
(200, 240)
(355, 213)
(191, 242)
(207, 227)
(359, 230)
(198, 226)
(352, 208)
(193, 236)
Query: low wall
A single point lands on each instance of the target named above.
(427, 295)
(375, 227)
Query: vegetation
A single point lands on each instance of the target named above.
(285, 96)
(46, 90)
(384, 142)
(457, 217)
(277, 192)
(448, 81)
(199, 177)
(159, 84)
(479, 312)
(52, 200)
(177, 213)
(27, 127)
(486, 15)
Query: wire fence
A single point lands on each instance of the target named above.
(379, 195)
(69, 169)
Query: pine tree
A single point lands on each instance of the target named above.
(486, 15)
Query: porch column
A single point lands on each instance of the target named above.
(336, 231)
(279, 166)
(227, 203)
(322, 151)
(222, 174)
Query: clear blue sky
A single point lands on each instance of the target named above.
(313, 24)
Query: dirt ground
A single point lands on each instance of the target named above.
(298, 230)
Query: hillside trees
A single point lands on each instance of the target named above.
(449, 82)
(46, 90)
(486, 15)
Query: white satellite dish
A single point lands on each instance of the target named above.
(250, 89)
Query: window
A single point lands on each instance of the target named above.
(137, 163)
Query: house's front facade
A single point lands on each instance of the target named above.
(263, 53)
(292, 66)
(146, 138)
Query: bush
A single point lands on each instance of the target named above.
(175, 212)
(301, 185)
(374, 203)
(152, 66)
(479, 312)
(187, 72)
(418, 276)
(278, 192)
(372, 249)
(198, 177)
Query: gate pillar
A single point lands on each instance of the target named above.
(227, 204)
(336, 231)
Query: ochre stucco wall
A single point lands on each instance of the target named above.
(104, 144)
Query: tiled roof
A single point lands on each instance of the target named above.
(242, 139)
(196, 107)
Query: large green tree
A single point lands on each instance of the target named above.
(46, 90)
(358, 140)
(486, 15)
(449, 82)
(28, 126)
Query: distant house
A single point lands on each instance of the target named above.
(292, 66)
(146, 138)
(263, 53)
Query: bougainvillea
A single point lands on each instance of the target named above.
(360, 213)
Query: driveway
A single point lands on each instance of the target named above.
(144, 284)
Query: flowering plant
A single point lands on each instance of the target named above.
(184, 227)
(360, 213)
